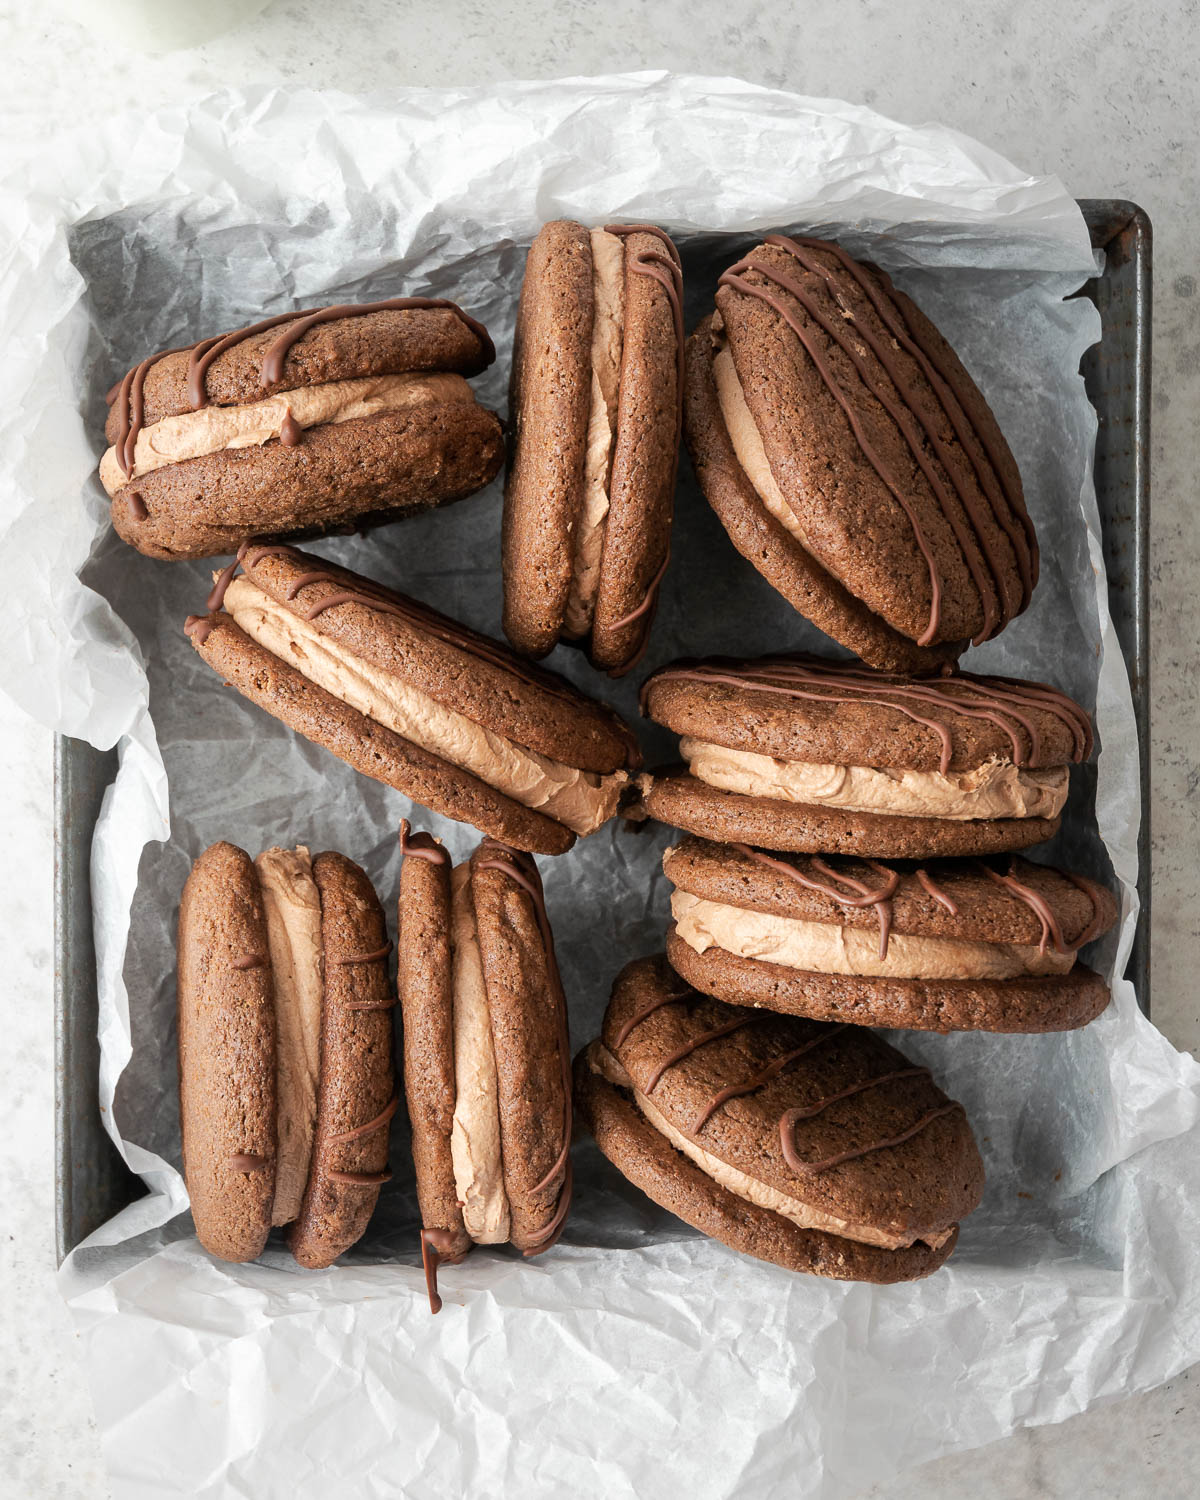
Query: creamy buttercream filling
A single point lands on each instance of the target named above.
(829, 948)
(608, 327)
(997, 789)
(292, 906)
(212, 429)
(751, 1188)
(582, 800)
(475, 1132)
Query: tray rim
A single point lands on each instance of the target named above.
(89, 1174)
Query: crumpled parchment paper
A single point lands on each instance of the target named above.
(637, 1359)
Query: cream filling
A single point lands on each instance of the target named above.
(582, 800)
(212, 429)
(608, 329)
(750, 1188)
(475, 1133)
(292, 905)
(997, 789)
(829, 948)
(748, 445)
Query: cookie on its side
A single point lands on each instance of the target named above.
(452, 719)
(486, 1057)
(853, 460)
(286, 1084)
(818, 1148)
(300, 425)
(822, 757)
(596, 408)
(963, 945)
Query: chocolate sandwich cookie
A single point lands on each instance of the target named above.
(300, 425)
(825, 757)
(487, 1065)
(816, 1147)
(963, 945)
(286, 1086)
(450, 718)
(853, 460)
(596, 404)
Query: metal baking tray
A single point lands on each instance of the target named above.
(92, 1183)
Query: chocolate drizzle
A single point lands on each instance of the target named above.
(657, 1003)
(663, 266)
(880, 899)
(696, 1042)
(199, 628)
(250, 961)
(291, 434)
(421, 845)
(130, 393)
(523, 872)
(925, 881)
(361, 1179)
(367, 958)
(999, 700)
(437, 1249)
(1041, 908)
(843, 330)
(370, 1127)
(247, 1162)
(790, 1118)
(772, 1070)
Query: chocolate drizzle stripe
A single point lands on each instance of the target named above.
(663, 266)
(421, 845)
(936, 892)
(247, 1162)
(523, 872)
(370, 1127)
(734, 278)
(804, 1168)
(991, 592)
(291, 434)
(989, 476)
(772, 1070)
(361, 1179)
(1042, 909)
(365, 958)
(550, 1234)
(436, 1251)
(880, 899)
(198, 628)
(250, 961)
(693, 1045)
(995, 699)
(656, 1004)
(130, 392)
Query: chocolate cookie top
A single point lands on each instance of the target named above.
(528, 1013)
(842, 374)
(829, 1115)
(227, 1054)
(357, 1093)
(840, 713)
(1002, 901)
(462, 669)
(342, 342)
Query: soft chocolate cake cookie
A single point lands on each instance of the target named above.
(816, 1147)
(824, 757)
(286, 1086)
(964, 945)
(853, 460)
(487, 1065)
(300, 425)
(596, 411)
(450, 718)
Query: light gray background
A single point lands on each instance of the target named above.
(1105, 95)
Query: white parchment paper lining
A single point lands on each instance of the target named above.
(637, 1359)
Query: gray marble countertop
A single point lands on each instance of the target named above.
(1104, 95)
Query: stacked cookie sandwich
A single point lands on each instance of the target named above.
(487, 1066)
(286, 1085)
(596, 409)
(300, 425)
(450, 718)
